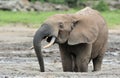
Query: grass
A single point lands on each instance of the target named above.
(7, 17)
(112, 18)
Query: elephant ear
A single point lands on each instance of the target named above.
(83, 32)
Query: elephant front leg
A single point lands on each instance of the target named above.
(83, 57)
(66, 62)
(82, 64)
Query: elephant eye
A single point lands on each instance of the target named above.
(61, 25)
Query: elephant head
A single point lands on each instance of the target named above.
(64, 28)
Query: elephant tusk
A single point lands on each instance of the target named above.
(31, 47)
(51, 43)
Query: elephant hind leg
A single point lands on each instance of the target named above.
(97, 62)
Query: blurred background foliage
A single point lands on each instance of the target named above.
(101, 5)
(35, 18)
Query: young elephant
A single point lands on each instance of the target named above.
(81, 37)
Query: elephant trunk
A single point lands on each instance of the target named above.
(44, 31)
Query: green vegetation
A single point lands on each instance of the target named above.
(101, 6)
(112, 18)
(70, 3)
(36, 18)
(51, 1)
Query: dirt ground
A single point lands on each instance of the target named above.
(18, 61)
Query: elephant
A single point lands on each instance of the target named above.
(81, 37)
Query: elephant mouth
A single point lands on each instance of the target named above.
(51, 41)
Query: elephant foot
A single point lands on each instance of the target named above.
(95, 70)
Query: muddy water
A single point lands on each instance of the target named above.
(17, 60)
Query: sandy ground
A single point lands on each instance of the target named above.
(18, 61)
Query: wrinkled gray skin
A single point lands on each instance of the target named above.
(81, 37)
